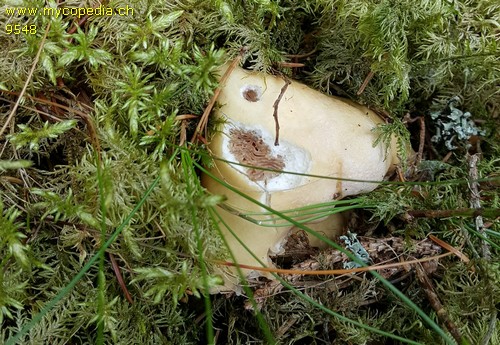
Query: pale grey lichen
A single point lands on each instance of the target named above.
(453, 125)
(352, 243)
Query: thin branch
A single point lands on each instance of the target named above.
(204, 118)
(475, 202)
(365, 83)
(275, 106)
(434, 301)
(450, 248)
(291, 64)
(459, 212)
(421, 143)
(47, 102)
(28, 80)
(301, 56)
(87, 119)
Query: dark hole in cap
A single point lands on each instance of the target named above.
(251, 95)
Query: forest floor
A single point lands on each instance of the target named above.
(108, 236)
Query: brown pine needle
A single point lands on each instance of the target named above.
(331, 272)
(450, 248)
(28, 80)
(365, 83)
(204, 118)
(119, 278)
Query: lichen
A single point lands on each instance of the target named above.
(454, 125)
(352, 243)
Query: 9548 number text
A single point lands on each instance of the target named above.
(16, 29)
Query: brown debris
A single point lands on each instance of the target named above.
(381, 250)
(119, 278)
(365, 83)
(249, 148)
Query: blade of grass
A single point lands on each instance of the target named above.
(101, 300)
(386, 283)
(260, 318)
(208, 156)
(298, 214)
(484, 238)
(189, 173)
(300, 294)
(52, 303)
(493, 233)
(401, 183)
(328, 205)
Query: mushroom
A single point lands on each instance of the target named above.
(318, 135)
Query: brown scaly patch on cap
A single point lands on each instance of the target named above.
(249, 148)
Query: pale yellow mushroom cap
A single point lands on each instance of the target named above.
(318, 135)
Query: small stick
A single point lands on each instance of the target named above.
(84, 116)
(183, 136)
(30, 75)
(447, 157)
(275, 106)
(301, 56)
(459, 212)
(450, 248)
(365, 83)
(434, 301)
(204, 118)
(184, 120)
(291, 64)
(46, 101)
(421, 139)
(475, 201)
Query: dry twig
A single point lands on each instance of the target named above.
(87, 119)
(365, 83)
(301, 56)
(30, 75)
(275, 106)
(291, 64)
(434, 301)
(459, 212)
(421, 143)
(204, 118)
(390, 255)
(450, 248)
(475, 202)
